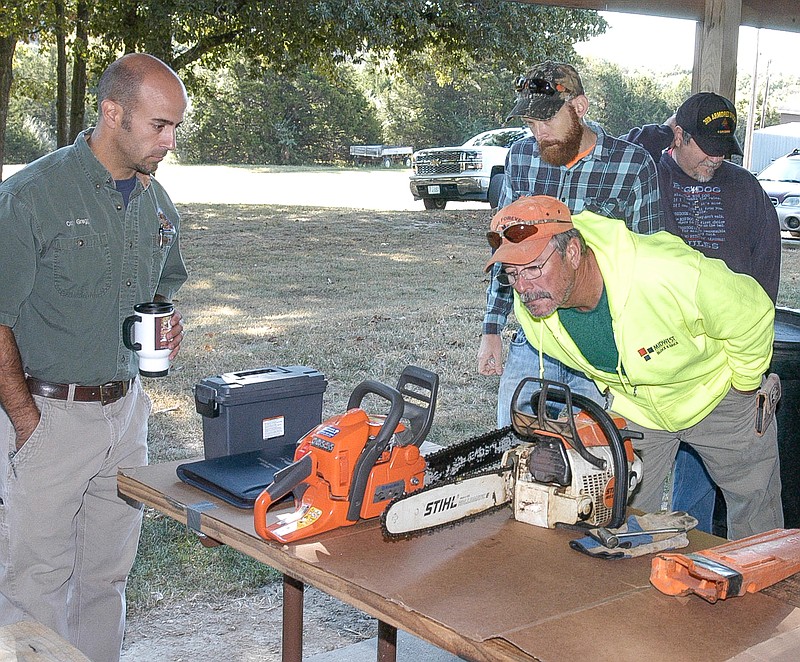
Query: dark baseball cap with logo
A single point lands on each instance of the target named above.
(711, 120)
(544, 89)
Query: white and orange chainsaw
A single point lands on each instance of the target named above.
(570, 469)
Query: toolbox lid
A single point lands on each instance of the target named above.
(259, 384)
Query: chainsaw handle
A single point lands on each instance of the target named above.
(618, 457)
(561, 393)
(372, 451)
(395, 411)
(419, 416)
(286, 480)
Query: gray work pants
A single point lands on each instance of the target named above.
(744, 465)
(67, 540)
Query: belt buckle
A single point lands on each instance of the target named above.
(108, 393)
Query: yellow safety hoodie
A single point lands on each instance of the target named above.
(686, 326)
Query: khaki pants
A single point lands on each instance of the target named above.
(744, 465)
(67, 540)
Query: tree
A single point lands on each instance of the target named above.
(17, 21)
(621, 101)
(289, 35)
(241, 114)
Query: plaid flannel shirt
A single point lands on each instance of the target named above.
(616, 179)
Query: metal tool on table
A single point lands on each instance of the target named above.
(610, 539)
(350, 466)
(569, 469)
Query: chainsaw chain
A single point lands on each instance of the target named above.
(477, 456)
(477, 453)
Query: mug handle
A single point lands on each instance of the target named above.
(127, 327)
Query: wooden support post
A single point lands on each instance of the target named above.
(716, 48)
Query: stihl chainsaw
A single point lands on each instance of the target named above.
(565, 470)
(350, 466)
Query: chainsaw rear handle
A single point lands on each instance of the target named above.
(285, 481)
(420, 403)
(373, 450)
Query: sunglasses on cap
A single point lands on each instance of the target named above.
(538, 86)
(514, 233)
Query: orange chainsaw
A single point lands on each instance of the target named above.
(350, 466)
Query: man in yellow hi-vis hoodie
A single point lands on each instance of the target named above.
(680, 341)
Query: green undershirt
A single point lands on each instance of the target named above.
(593, 334)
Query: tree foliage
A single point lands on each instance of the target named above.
(286, 36)
(241, 114)
(620, 101)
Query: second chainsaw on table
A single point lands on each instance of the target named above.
(556, 469)
(350, 466)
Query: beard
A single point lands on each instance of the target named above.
(561, 152)
(705, 171)
(539, 304)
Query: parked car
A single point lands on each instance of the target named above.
(473, 171)
(781, 181)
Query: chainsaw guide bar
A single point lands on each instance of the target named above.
(466, 477)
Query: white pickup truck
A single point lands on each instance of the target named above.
(473, 171)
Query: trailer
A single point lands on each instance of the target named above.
(386, 155)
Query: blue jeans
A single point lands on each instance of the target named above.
(693, 491)
(523, 361)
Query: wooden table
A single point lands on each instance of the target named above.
(30, 641)
(493, 589)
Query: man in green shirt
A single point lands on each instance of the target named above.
(87, 234)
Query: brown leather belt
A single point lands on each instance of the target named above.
(104, 394)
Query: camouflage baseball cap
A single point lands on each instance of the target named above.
(544, 89)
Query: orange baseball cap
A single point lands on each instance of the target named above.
(520, 231)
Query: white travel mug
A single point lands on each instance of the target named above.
(145, 332)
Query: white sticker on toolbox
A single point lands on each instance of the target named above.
(272, 427)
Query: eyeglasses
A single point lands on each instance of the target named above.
(538, 86)
(528, 273)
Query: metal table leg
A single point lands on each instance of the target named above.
(292, 619)
(387, 642)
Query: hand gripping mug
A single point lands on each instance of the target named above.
(145, 332)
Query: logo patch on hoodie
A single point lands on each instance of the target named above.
(648, 352)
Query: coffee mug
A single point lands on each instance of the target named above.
(145, 332)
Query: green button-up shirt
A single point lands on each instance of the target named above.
(75, 260)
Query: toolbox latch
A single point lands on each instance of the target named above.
(205, 401)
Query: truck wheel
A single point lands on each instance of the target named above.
(387, 162)
(495, 186)
(407, 162)
(434, 203)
